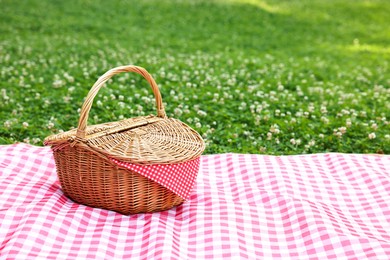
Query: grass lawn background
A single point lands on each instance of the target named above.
(273, 77)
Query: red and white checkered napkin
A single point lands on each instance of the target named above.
(179, 177)
(324, 206)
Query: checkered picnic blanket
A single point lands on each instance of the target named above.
(321, 206)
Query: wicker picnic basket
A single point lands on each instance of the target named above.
(129, 166)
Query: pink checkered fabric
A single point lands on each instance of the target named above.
(178, 177)
(321, 206)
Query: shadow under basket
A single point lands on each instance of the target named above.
(110, 186)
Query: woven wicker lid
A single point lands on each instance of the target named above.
(142, 140)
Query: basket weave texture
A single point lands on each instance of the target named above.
(85, 157)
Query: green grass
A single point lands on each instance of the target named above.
(274, 77)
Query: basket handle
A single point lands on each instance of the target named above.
(84, 113)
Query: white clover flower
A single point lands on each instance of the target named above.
(67, 99)
(321, 136)
(325, 119)
(26, 140)
(269, 136)
(7, 124)
(50, 125)
(121, 104)
(343, 130)
(251, 89)
(257, 120)
(198, 125)
(345, 112)
(348, 122)
(68, 77)
(292, 141)
(36, 140)
(252, 108)
(202, 113)
(178, 111)
(274, 129)
(372, 136)
(324, 110)
(25, 124)
(259, 108)
(387, 136)
(298, 141)
(263, 149)
(58, 83)
(374, 126)
(145, 99)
